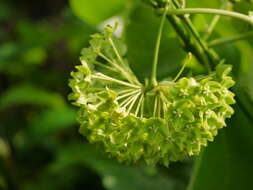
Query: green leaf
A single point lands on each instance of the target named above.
(3, 184)
(52, 121)
(114, 175)
(36, 55)
(29, 94)
(95, 11)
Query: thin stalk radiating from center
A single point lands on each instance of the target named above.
(157, 48)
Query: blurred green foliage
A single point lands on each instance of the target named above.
(40, 147)
(96, 11)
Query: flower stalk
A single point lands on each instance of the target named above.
(157, 48)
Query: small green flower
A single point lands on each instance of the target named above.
(137, 122)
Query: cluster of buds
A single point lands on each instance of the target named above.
(138, 123)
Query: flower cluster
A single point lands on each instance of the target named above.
(135, 122)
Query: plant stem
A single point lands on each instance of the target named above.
(157, 48)
(211, 27)
(119, 68)
(183, 3)
(214, 22)
(127, 94)
(195, 172)
(128, 73)
(202, 44)
(226, 40)
(155, 106)
(139, 105)
(188, 58)
(111, 79)
(210, 56)
(239, 16)
(133, 102)
(142, 106)
(127, 101)
(185, 38)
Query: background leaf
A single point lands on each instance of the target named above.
(95, 11)
(28, 94)
(114, 176)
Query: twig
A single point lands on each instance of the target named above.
(226, 40)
